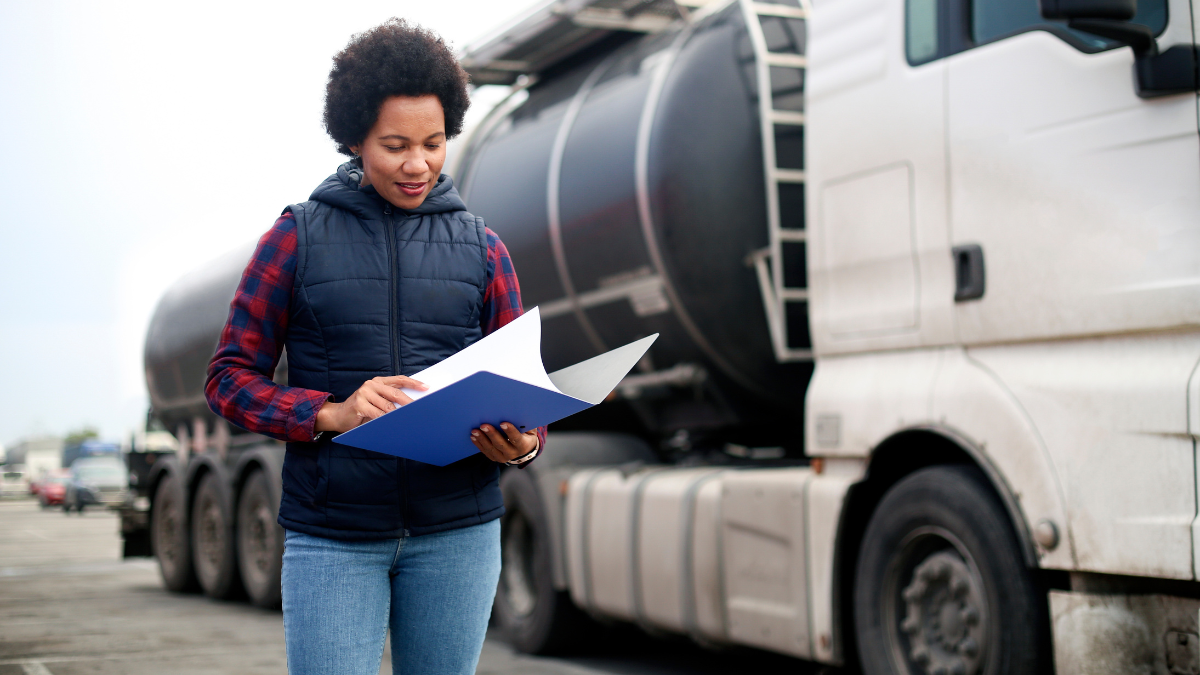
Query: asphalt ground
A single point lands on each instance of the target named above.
(69, 605)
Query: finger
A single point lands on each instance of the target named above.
(379, 404)
(511, 432)
(500, 442)
(402, 381)
(390, 393)
(482, 442)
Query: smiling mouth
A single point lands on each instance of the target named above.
(412, 189)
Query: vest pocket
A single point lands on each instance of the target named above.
(360, 477)
(300, 476)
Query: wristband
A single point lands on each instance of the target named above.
(527, 457)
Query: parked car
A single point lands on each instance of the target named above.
(13, 482)
(51, 489)
(95, 481)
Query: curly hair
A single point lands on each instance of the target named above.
(392, 59)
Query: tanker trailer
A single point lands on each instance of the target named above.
(626, 175)
(212, 506)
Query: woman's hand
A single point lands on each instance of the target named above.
(374, 398)
(504, 444)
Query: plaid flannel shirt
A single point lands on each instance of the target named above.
(240, 386)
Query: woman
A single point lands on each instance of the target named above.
(381, 274)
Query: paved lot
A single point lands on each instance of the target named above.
(70, 606)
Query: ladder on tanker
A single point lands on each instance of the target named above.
(777, 36)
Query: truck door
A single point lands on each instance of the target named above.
(876, 162)
(1085, 200)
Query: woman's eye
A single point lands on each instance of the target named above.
(394, 148)
(433, 147)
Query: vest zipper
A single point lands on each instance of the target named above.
(393, 315)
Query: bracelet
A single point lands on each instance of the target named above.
(525, 458)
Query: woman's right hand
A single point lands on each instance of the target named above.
(374, 398)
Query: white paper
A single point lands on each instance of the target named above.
(594, 379)
(514, 351)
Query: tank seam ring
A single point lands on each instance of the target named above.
(642, 190)
(553, 216)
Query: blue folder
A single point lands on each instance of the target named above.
(436, 428)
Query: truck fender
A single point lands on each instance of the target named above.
(202, 465)
(874, 406)
(972, 407)
(266, 457)
(166, 466)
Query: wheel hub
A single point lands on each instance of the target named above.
(944, 617)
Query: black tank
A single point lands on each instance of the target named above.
(629, 191)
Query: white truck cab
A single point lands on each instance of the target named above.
(990, 142)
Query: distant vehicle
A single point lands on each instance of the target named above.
(13, 482)
(51, 490)
(95, 481)
(36, 484)
(76, 451)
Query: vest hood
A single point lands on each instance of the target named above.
(342, 190)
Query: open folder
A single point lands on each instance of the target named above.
(498, 379)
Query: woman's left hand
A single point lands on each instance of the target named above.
(505, 443)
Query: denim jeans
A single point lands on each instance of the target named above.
(434, 591)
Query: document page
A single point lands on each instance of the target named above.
(514, 351)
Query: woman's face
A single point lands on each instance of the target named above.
(403, 154)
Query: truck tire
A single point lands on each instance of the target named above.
(535, 617)
(169, 535)
(260, 542)
(941, 585)
(214, 553)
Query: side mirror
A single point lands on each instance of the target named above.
(1155, 74)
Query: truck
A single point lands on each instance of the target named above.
(88, 448)
(926, 394)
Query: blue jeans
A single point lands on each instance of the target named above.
(434, 591)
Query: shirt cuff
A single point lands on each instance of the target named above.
(302, 422)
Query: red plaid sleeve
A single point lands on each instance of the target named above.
(239, 385)
(502, 299)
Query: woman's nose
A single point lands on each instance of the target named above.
(415, 166)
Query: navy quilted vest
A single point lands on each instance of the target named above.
(381, 291)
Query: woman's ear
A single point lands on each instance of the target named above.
(355, 149)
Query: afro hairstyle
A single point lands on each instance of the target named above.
(392, 59)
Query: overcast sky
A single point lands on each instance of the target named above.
(137, 142)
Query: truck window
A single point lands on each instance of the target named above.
(995, 19)
(921, 31)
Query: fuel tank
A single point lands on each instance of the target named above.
(629, 189)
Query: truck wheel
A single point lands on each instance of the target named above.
(536, 618)
(213, 549)
(169, 536)
(941, 586)
(260, 542)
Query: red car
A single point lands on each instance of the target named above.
(51, 490)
